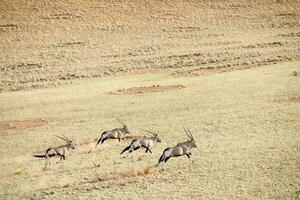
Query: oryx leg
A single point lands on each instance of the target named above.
(148, 149)
(103, 137)
(167, 159)
(189, 156)
(121, 138)
(132, 147)
(126, 149)
(48, 160)
(161, 160)
(62, 157)
(164, 157)
(133, 150)
(130, 150)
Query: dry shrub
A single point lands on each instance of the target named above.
(140, 158)
(161, 169)
(90, 151)
(116, 162)
(96, 164)
(17, 172)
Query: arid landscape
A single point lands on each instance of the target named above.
(228, 70)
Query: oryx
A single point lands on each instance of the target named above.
(181, 149)
(117, 133)
(145, 142)
(58, 151)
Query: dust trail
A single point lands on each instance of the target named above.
(131, 173)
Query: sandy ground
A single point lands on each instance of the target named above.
(46, 43)
(228, 70)
(246, 123)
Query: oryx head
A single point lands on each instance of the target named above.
(125, 128)
(189, 134)
(70, 142)
(156, 136)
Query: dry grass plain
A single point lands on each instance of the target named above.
(225, 69)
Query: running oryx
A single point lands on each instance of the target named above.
(145, 142)
(117, 133)
(58, 151)
(182, 148)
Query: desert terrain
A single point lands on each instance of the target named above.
(227, 70)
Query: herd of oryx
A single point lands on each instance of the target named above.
(181, 149)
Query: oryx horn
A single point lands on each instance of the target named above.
(121, 122)
(150, 131)
(63, 138)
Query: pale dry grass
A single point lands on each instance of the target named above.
(49, 43)
(225, 69)
(249, 144)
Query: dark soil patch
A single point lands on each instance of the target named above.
(13, 125)
(147, 89)
(288, 100)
